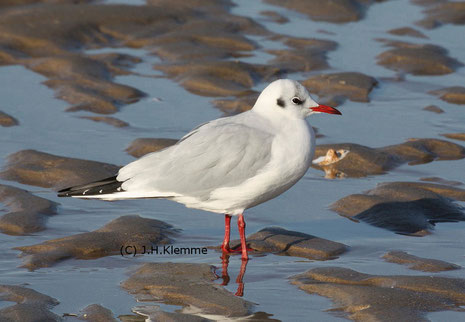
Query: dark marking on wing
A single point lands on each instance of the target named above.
(105, 186)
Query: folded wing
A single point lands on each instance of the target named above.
(212, 156)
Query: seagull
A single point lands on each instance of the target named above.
(226, 165)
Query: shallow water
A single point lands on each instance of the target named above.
(393, 115)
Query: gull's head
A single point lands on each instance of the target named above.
(288, 98)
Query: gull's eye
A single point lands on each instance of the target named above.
(296, 101)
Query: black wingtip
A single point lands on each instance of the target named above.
(64, 192)
(105, 186)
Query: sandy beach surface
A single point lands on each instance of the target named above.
(375, 230)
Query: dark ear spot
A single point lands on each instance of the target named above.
(280, 102)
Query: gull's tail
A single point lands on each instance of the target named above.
(101, 187)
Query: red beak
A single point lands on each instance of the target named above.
(325, 109)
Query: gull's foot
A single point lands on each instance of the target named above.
(226, 249)
(238, 249)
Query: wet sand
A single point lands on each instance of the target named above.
(373, 231)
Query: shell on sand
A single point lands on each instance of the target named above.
(332, 156)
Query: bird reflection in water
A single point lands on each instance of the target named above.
(225, 275)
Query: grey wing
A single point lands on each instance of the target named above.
(210, 157)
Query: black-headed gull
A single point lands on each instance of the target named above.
(226, 165)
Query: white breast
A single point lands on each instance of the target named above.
(291, 155)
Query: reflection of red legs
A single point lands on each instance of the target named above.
(240, 276)
(241, 226)
(224, 269)
(239, 280)
(227, 231)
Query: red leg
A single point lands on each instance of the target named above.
(227, 232)
(241, 226)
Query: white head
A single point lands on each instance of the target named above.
(288, 98)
